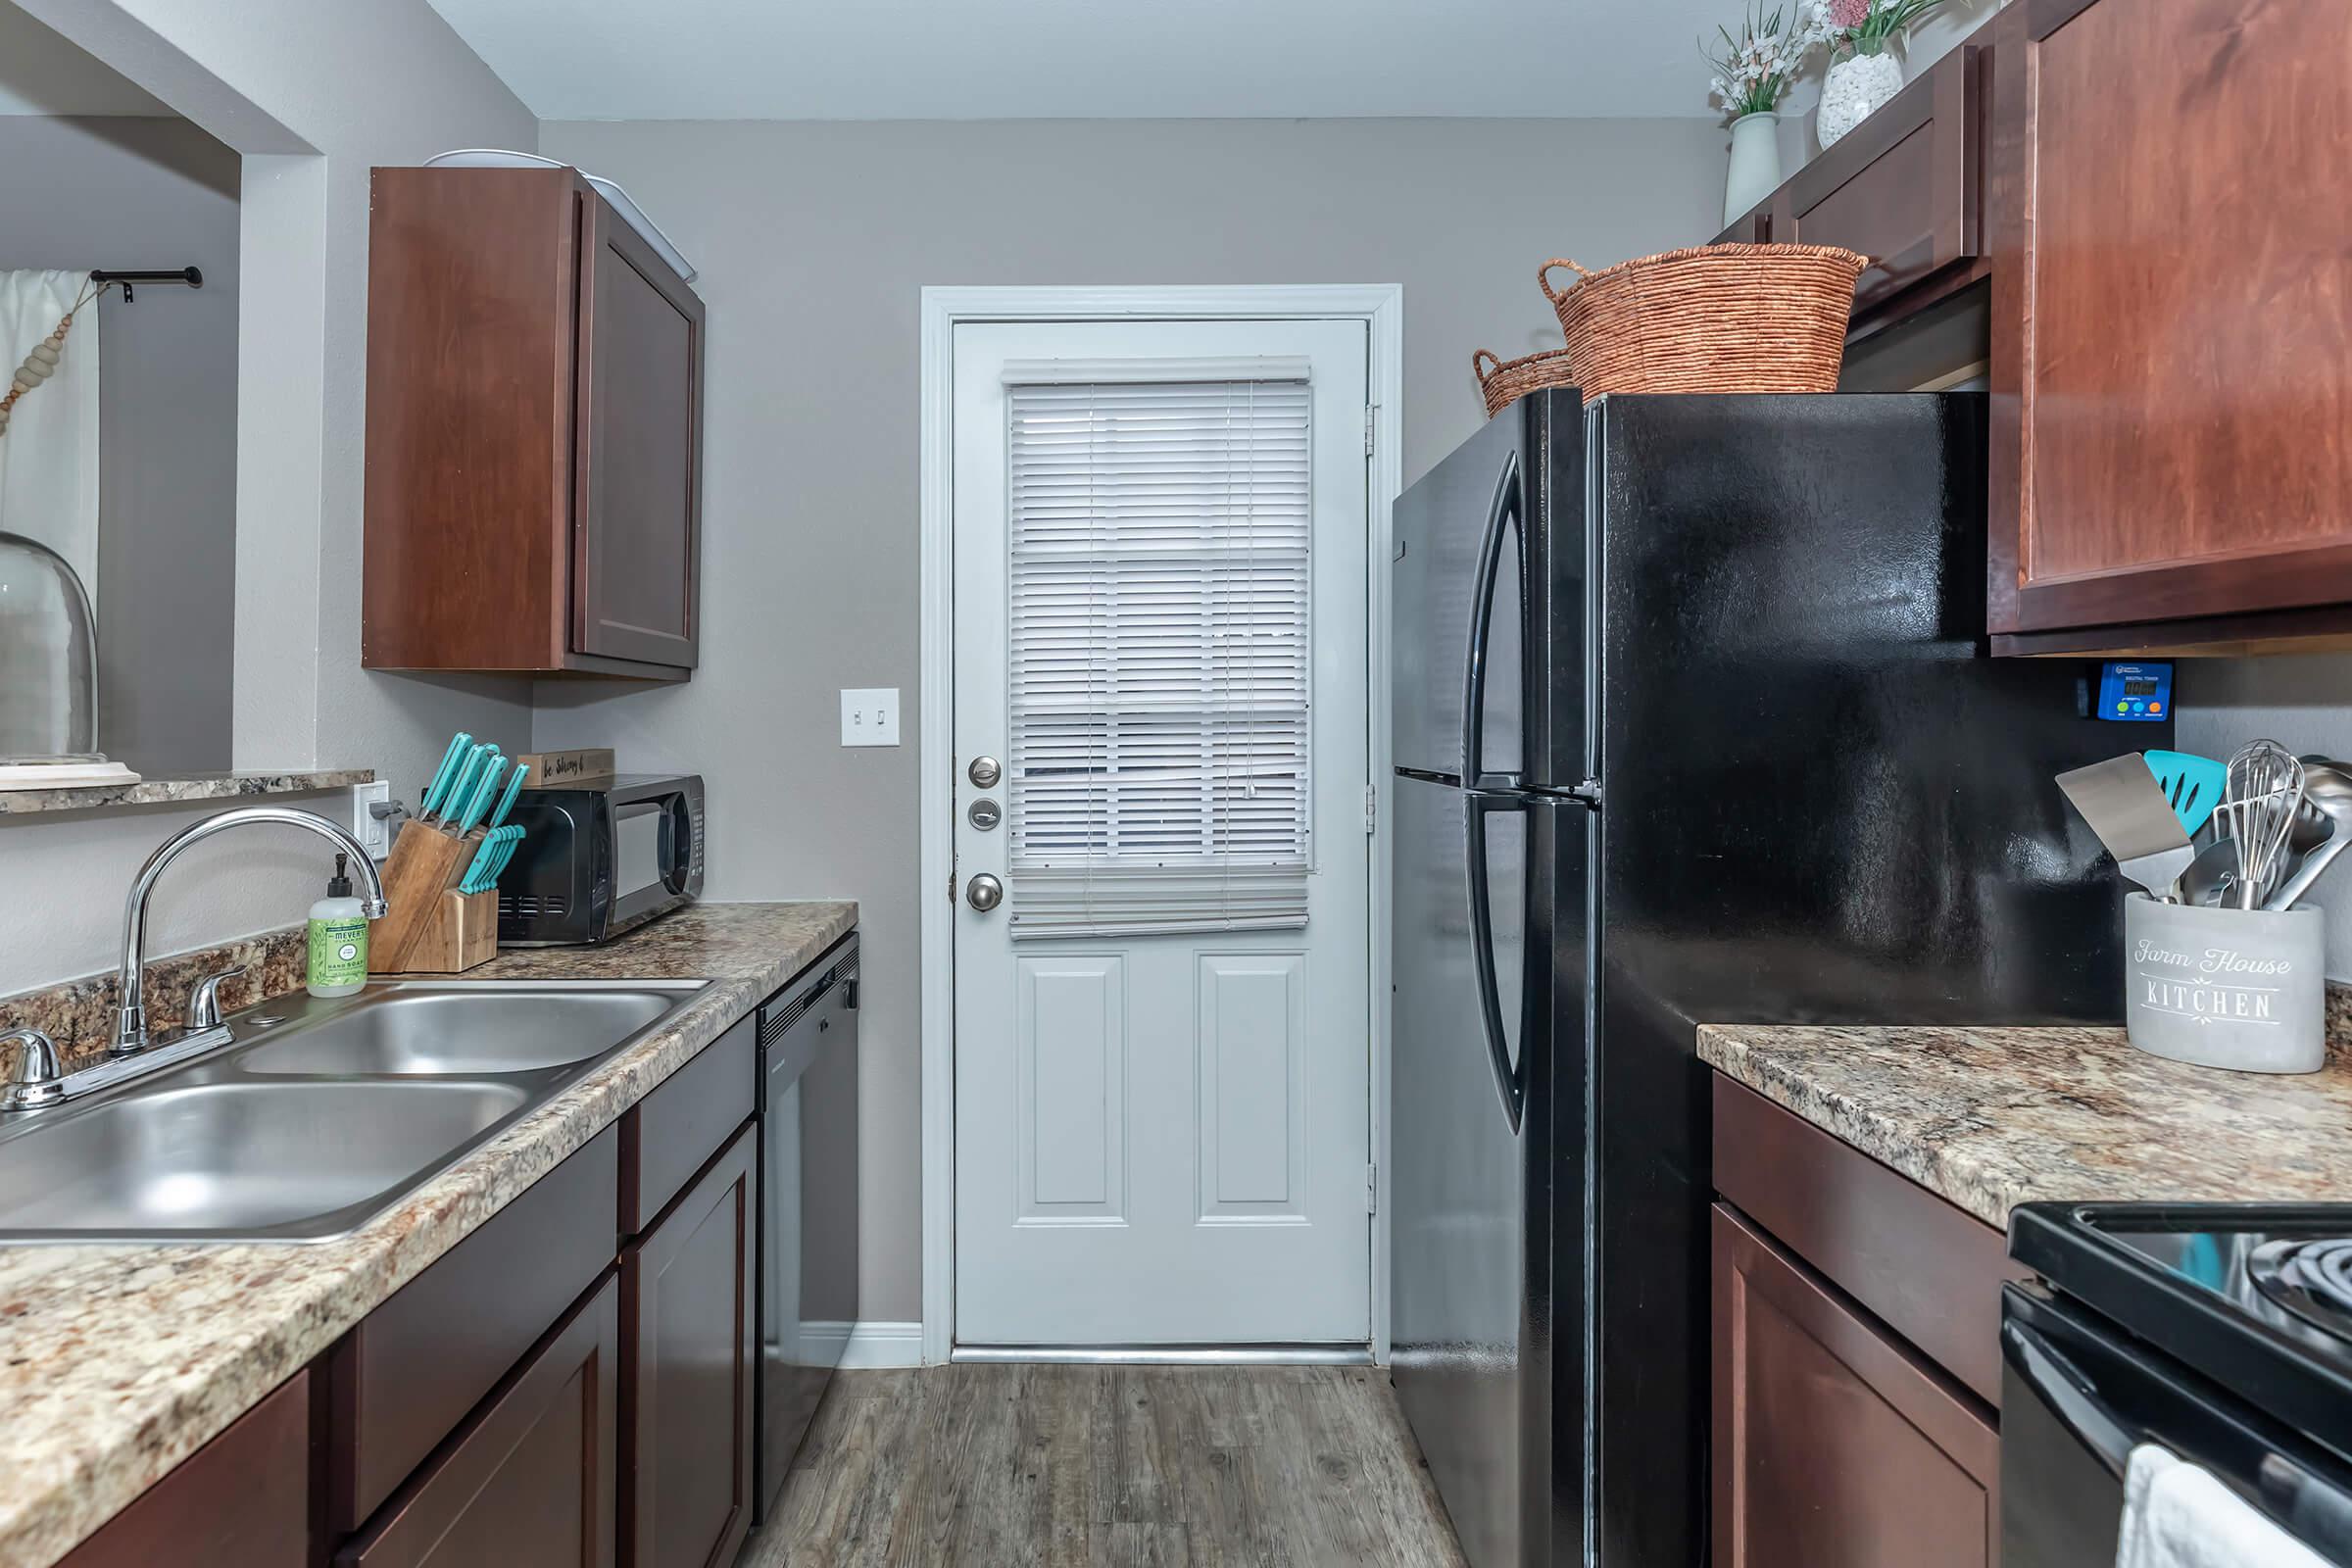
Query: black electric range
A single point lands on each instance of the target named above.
(2221, 1331)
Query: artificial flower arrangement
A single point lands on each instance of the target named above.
(1863, 26)
(1759, 65)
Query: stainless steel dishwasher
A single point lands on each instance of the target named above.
(807, 1201)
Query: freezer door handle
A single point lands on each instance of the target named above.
(1501, 513)
(1510, 1081)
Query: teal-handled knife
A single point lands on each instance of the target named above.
(444, 774)
(469, 816)
(463, 784)
(506, 801)
(489, 860)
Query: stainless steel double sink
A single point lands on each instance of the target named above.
(317, 1115)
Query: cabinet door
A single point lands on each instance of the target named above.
(528, 1481)
(2172, 312)
(637, 448)
(1901, 187)
(242, 1500)
(1834, 1445)
(686, 1412)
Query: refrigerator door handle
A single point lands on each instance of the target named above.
(1509, 1082)
(1502, 512)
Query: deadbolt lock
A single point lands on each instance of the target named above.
(985, 773)
(984, 813)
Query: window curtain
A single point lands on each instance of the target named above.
(49, 453)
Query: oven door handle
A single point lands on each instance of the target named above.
(2069, 1397)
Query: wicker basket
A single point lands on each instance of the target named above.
(1506, 381)
(1710, 318)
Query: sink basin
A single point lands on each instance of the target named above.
(459, 1032)
(281, 1160)
(320, 1114)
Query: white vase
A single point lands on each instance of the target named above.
(1755, 171)
(1855, 85)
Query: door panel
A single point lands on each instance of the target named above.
(529, 1480)
(639, 457)
(1163, 1139)
(687, 1337)
(1251, 1069)
(1073, 1044)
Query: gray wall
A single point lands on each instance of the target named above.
(150, 192)
(813, 242)
(2302, 701)
(312, 96)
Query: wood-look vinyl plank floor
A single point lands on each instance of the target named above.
(1108, 1467)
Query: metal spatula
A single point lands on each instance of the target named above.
(2126, 809)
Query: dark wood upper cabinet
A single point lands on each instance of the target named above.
(534, 432)
(687, 1371)
(242, 1500)
(1835, 1445)
(1905, 188)
(2172, 321)
(528, 1481)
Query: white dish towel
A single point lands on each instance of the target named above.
(2176, 1515)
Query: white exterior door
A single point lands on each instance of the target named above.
(1162, 1034)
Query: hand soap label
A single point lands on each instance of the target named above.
(340, 951)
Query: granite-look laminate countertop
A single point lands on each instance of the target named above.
(119, 1361)
(1992, 1118)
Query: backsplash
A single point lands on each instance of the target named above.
(80, 1014)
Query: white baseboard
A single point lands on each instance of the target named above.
(883, 1345)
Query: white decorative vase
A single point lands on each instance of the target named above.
(1856, 85)
(1755, 171)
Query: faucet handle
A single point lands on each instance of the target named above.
(39, 1080)
(204, 1001)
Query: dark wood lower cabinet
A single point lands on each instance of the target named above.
(242, 1500)
(1836, 1444)
(529, 1480)
(688, 1364)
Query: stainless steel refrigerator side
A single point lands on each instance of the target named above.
(1459, 1210)
(1442, 524)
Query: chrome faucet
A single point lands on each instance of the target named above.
(131, 1021)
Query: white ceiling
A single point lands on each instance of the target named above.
(1125, 59)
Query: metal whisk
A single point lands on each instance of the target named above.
(2260, 799)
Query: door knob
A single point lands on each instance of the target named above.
(984, 893)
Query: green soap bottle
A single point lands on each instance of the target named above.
(338, 938)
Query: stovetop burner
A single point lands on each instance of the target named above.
(2310, 1278)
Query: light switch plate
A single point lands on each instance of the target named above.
(870, 715)
(374, 832)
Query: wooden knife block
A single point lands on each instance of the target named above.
(428, 926)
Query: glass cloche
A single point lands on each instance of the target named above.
(48, 658)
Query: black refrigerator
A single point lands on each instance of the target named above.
(1695, 721)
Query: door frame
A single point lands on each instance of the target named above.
(1381, 306)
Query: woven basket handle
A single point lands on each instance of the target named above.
(1483, 364)
(1543, 277)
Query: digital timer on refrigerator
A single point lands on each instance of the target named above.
(2134, 693)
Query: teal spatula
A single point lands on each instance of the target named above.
(2193, 783)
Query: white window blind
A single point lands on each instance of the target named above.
(1159, 632)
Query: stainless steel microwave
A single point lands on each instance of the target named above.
(600, 860)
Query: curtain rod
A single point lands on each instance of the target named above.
(183, 275)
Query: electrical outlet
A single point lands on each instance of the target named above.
(870, 715)
(374, 832)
